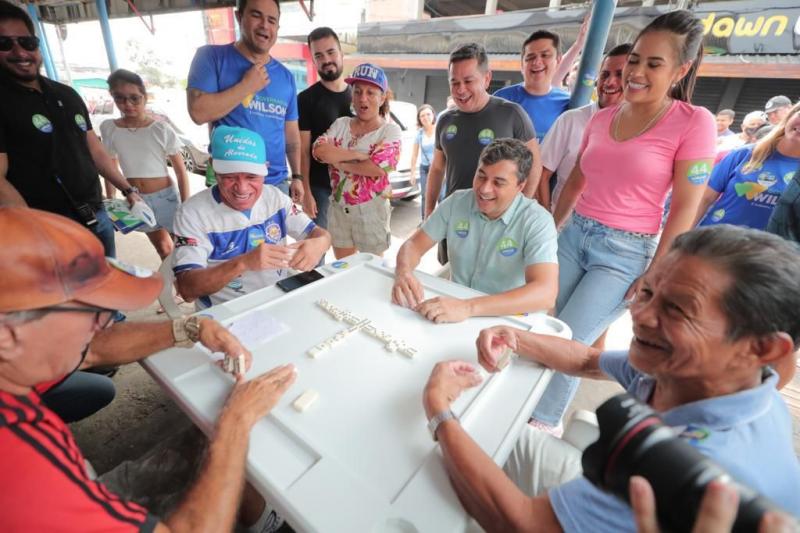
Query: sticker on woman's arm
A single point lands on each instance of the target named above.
(699, 172)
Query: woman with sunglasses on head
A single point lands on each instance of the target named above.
(142, 145)
(632, 155)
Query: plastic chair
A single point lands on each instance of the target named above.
(582, 429)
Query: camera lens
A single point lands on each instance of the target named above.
(635, 441)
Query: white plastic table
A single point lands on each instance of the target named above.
(360, 459)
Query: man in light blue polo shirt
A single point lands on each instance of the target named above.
(241, 85)
(498, 241)
(716, 332)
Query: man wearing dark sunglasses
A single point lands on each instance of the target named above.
(57, 293)
(49, 154)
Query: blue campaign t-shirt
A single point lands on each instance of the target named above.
(543, 110)
(748, 433)
(216, 68)
(748, 199)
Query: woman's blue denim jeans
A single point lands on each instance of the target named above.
(597, 264)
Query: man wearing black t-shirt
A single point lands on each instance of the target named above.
(319, 106)
(49, 155)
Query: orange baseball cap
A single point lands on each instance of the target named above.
(48, 259)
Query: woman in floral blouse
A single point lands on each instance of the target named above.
(360, 151)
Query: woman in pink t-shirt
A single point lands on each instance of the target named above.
(631, 157)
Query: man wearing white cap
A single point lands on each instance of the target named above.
(58, 293)
(230, 239)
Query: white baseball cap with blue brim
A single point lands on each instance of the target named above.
(235, 150)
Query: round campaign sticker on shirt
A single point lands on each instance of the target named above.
(80, 121)
(255, 237)
(588, 79)
(462, 228)
(695, 434)
(698, 173)
(507, 246)
(767, 179)
(450, 132)
(718, 215)
(340, 264)
(789, 176)
(485, 136)
(133, 270)
(42, 123)
(235, 284)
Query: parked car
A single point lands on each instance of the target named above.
(194, 138)
(404, 114)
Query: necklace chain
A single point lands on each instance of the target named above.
(647, 126)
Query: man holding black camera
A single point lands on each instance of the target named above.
(49, 154)
(715, 334)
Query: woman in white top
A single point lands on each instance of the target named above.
(142, 146)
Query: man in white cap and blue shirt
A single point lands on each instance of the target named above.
(231, 238)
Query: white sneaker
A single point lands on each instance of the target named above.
(269, 521)
(555, 431)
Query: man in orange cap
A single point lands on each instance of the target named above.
(57, 295)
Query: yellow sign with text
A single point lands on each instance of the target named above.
(744, 26)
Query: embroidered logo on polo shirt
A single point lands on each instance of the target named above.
(80, 121)
(507, 246)
(450, 132)
(789, 176)
(42, 123)
(274, 233)
(462, 228)
(718, 215)
(184, 241)
(698, 173)
(485, 136)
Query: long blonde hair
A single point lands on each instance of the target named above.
(767, 146)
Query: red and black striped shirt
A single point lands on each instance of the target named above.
(45, 485)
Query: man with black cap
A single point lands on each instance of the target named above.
(58, 293)
(777, 108)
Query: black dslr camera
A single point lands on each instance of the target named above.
(635, 441)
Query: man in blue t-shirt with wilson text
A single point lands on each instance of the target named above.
(241, 85)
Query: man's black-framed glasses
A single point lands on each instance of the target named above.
(98, 313)
(26, 42)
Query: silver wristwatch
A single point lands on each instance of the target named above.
(186, 331)
(436, 421)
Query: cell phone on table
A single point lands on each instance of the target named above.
(298, 280)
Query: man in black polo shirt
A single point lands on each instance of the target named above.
(49, 155)
(319, 106)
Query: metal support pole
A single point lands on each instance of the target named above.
(60, 42)
(596, 37)
(43, 45)
(105, 26)
(491, 7)
(420, 10)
